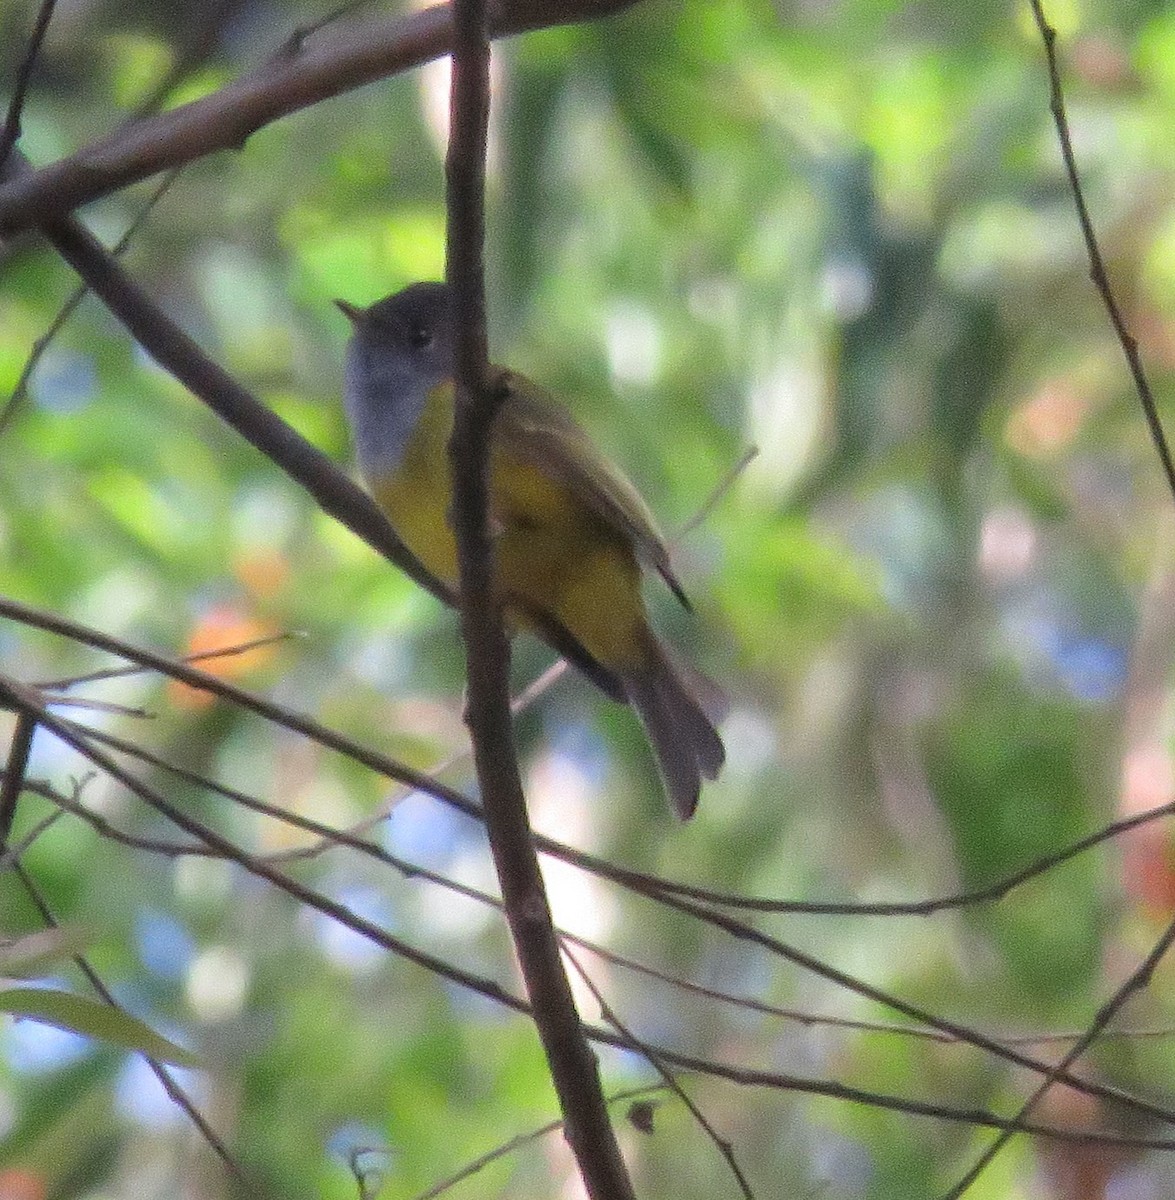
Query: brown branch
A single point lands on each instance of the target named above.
(169, 346)
(10, 134)
(574, 1071)
(346, 839)
(11, 855)
(648, 886)
(222, 847)
(723, 1145)
(918, 908)
(14, 772)
(1097, 265)
(326, 66)
(1138, 979)
(523, 1139)
(744, 1076)
(14, 402)
(962, 1033)
(239, 648)
(28, 701)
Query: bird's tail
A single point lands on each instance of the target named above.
(672, 702)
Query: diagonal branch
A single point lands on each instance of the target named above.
(650, 887)
(1139, 978)
(169, 346)
(10, 133)
(177, 1094)
(1097, 265)
(222, 847)
(723, 1145)
(327, 65)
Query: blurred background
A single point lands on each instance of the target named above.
(940, 597)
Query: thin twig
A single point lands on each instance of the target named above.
(71, 735)
(920, 908)
(1097, 265)
(11, 855)
(347, 838)
(204, 681)
(718, 492)
(524, 1139)
(224, 848)
(238, 648)
(744, 1076)
(1129, 346)
(963, 1033)
(645, 885)
(1139, 978)
(10, 134)
(175, 1091)
(723, 1145)
(20, 392)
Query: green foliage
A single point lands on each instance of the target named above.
(78, 1014)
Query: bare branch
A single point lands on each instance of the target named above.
(645, 885)
(10, 134)
(1097, 265)
(222, 847)
(175, 1092)
(19, 393)
(14, 769)
(587, 1126)
(723, 1145)
(1139, 978)
(177, 353)
(202, 680)
(327, 66)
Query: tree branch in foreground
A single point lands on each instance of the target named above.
(587, 1126)
(329, 64)
(642, 884)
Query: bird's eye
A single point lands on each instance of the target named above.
(419, 338)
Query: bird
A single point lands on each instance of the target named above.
(572, 536)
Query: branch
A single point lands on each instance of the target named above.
(173, 350)
(1097, 266)
(14, 773)
(573, 1066)
(723, 1145)
(19, 393)
(10, 134)
(962, 1033)
(267, 709)
(327, 66)
(744, 1076)
(175, 1092)
(635, 881)
(26, 701)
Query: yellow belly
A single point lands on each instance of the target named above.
(553, 555)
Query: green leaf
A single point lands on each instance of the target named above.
(92, 1018)
(34, 953)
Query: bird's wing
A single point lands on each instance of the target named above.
(542, 433)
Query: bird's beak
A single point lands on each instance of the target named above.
(349, 311)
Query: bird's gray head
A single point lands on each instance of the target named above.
(401, 348)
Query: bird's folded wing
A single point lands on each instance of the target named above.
(543, 434)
